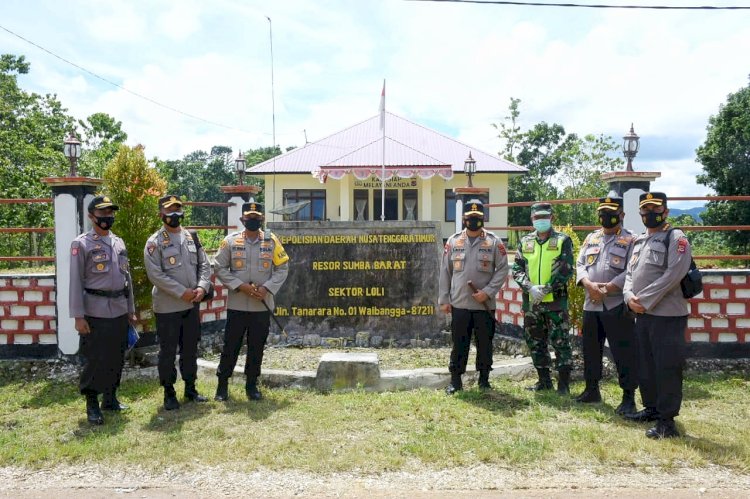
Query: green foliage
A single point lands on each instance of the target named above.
(101, 139)
(725, 156)
(136, 188)
(576, 294)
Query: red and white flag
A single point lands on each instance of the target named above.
(382, 108)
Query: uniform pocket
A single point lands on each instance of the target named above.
(592, 254)
(170, 258)
(655, 255)
(238, 262)
(484, 262)
(457, 261)
(617, 257)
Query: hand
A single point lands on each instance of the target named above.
(133, 319)
(82, 326)
(537, 293)
(259, 292)
(246, 289)
(480, 296)
(199, 294)
(594, 290)
(634, 304)
(446, 308)
(188, 295)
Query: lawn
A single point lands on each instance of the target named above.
(42, 423)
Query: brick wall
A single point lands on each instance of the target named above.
(721, 314)
(27, 310)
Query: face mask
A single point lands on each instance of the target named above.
(609, 220)
(542, 225)
(173, 219)
(104, 223)
(473, 223)
(252, 224)
(652, 220)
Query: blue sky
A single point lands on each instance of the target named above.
(450, 67)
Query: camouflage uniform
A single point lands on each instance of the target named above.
(547, 322)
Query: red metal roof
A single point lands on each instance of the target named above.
(406, 144)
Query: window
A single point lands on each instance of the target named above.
(316, 210)
(450, 205)
(391, 203)
(410, 206)
(361, 205)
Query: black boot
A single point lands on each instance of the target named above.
(93, 413)
(455, 386)
(563, 381)
(591, 394)
(484, 380)
(170, 398)
(251, 390)
(665, 428)
(110, 402)
(544, 383)
(627, 406)
(222, 391)
(642, 416)
(192, 394)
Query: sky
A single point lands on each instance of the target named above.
(448, 66)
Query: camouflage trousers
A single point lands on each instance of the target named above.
(542, 328)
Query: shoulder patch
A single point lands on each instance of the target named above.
(74, 246)
(682, 244)
(223, 244)
(150, 247)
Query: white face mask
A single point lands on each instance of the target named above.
(542, 225)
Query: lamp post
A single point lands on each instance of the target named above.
(72, 151)
(239, 165)
(470, 168)
(630, 145)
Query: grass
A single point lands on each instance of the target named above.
(42, 423)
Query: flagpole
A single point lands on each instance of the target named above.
(273, 117)
(382, 175)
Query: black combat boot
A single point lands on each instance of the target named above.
(93, 413)
(642, 416)
(251, 390)
(110, 402)
(455, 386)
(544, 383)
(170, 398)
(591, 393)
(192, 394)
(484, 380)
(627, 406)
(665, 428)
(563, 381)
(222, 391)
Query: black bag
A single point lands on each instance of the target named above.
(692, 283)
(198, 247)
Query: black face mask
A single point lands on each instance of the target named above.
(104, 223)
(653, 220)
(609, 220)
(252, 224)
(473, 223)
(173, 219)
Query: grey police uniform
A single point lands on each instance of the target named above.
(101, 291)
(262, 262)
(654, 274)
(173, 267)
(603, 258)
(483, 261)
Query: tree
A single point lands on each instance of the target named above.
(725, 156)
(510, 131)
(102, 136)
(135, 188)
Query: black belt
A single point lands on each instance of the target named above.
(108, 294)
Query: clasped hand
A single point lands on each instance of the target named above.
(253, 291)
(537, 293)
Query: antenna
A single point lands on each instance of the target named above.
(273, 113)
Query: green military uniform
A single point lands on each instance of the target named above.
(547, 263)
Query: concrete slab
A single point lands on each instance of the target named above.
(342, 371)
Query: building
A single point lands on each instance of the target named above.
(338, 178)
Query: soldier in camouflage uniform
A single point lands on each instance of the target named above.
(101, 302)
(542, 267)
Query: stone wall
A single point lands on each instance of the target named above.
(27, 310)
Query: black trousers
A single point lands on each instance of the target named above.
(661, 359)
(254, 325)
(178, 329)
(102, 352)
(463, 323)
(618, 329)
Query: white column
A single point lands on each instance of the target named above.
(425, 209)
(234, 213)
(632, 220)
(345, 199)
(66, 229)
(459, 213)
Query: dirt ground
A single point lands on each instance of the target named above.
(92, 481)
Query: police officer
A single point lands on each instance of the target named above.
(101, 302)
(181, 274)
(253, 265)
(472, 271)
(661, 258)
(542, 267)
(600, 269)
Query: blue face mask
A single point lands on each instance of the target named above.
(542, 225)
